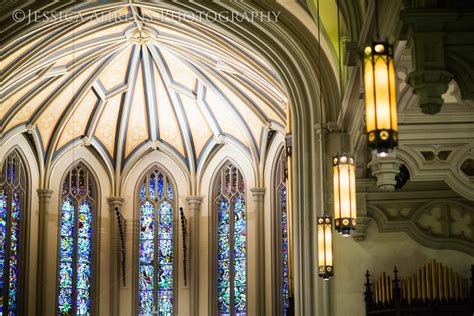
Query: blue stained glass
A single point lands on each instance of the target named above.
(166, 226)
(83, 302)
(66, 249)
(83, 250)
(165, 277)
(142, 193)
(165, 251)
(3, 234)
(231, 243)
(170, 192)
(284, 229)
(166, 208)
(152, 186)
(74, 273)
(147, 221)
(11, 195)
(67, 218)
(65, 300)
(146, 302)
(83, 276)
(65, 274)
(165, 302)
(156, 233)
(146, 276)
(160, 186)
(146, 251)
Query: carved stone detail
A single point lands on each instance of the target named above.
(438, 223)
(385, 170)
(440, 52)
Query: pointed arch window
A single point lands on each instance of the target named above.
(281, 209)
(76, 235)
(13, 190)
(231, 241)
(156, 211)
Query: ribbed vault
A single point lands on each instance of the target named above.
(131, 77)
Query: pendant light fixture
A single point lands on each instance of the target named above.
(380, 95)
(344, 182)
(326, 269)
(325, 255)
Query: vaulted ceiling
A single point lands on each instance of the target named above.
(138, 79)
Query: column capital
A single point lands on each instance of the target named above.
(258, 191)
(194, 199)
(115, 201)
(44, 193)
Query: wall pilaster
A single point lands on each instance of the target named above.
(44, 197)
(194, 204)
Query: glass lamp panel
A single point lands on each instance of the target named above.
(345, 198)
(393, 95)
(321, 245)
(369, 94)
(382, 97)
(337, 206)
(328, 244)
(353, 192)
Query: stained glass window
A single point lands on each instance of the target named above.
(155, 260)
(12, 204)
(231, 242)
(75, 242)
(282, 227)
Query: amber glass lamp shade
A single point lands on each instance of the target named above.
(380, 97)
(344, 182)
(326, 269)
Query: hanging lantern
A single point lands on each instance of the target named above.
(380, 97)
(345, 212)
(326, 269)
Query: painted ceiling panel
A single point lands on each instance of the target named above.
(200, 129)
(10, 101)
(55, 105)
(116, 72)
(184, 85)
(76, 125)
(29, 107)
(223, 115)
(105, 131)
(168, 124)
(137, 125)
(179, 72)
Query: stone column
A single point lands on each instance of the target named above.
(114, 202)
(44, 197)
(194, 204)
(258, 195)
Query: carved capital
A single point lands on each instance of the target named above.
(385, 170)
(429, 85)
(194, 202)
(44, 194)
(115, 201)
(258, 193)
